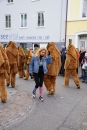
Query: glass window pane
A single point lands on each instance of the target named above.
(21, 20)
(8, 1)
(38, 22)
(38, 15)
(43, 16)
(9, 24)
(11, 0)
(9, 18)
(6, 25)
(25, 16)
(84, 13)
(25, 20)
(25, 23)
(6, 18)
(42, 23)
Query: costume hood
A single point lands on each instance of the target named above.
(54, 52)
(1, 56)
(72, 51)
(30, 54)
(20, 51)
(12, 48)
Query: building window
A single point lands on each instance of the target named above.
(82, 44)
(10, 1)
(84, 11)
(23, 20)
(41, 19)
(8, 21)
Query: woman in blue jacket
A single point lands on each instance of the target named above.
(38, 67)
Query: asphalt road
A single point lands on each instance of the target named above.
(67, 110)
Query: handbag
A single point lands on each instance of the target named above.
(85, 66)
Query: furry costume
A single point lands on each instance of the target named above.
(35, 50)
(21, 60)
(71, 64)
(29, 56)
(12, 54)
(4, 70)
(53, 69)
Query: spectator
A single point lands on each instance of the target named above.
(82, 54)
(63, 58)
(84, 68)
(78, 58)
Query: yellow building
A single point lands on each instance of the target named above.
(77, 23)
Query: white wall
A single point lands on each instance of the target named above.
(54, 29)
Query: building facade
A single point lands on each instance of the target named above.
(77, 23)
(32, 21)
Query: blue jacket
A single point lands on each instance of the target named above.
(34, 64)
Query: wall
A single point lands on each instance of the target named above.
(54, 29)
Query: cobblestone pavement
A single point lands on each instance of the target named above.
(18, 105)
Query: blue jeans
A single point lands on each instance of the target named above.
(84, 73)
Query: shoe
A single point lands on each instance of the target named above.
(83, 81)
(78, 87)
(65, 85)
(50, 92)
(3, 101)
(34, 94)
(41, 99)
(8, 85)
(13, 86)
(25, 78)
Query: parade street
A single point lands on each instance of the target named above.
(67, 110)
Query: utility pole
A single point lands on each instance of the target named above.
(66, 20)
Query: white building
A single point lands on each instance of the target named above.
(32, 21)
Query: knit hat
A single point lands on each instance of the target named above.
(85, 54)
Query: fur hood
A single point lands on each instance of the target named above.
(1, 56)
(20, 51)
(54, 52)
(72, 51)
(29, 53)
(12, 48)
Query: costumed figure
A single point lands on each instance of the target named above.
(28, 58)
(12, 54)
(4, 71)
(71, 64)
(53, 69)
(36, 48)
(21, 60)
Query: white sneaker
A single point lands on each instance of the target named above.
(33, 94)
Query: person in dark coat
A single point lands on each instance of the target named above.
(63, 58)
(82, 55)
